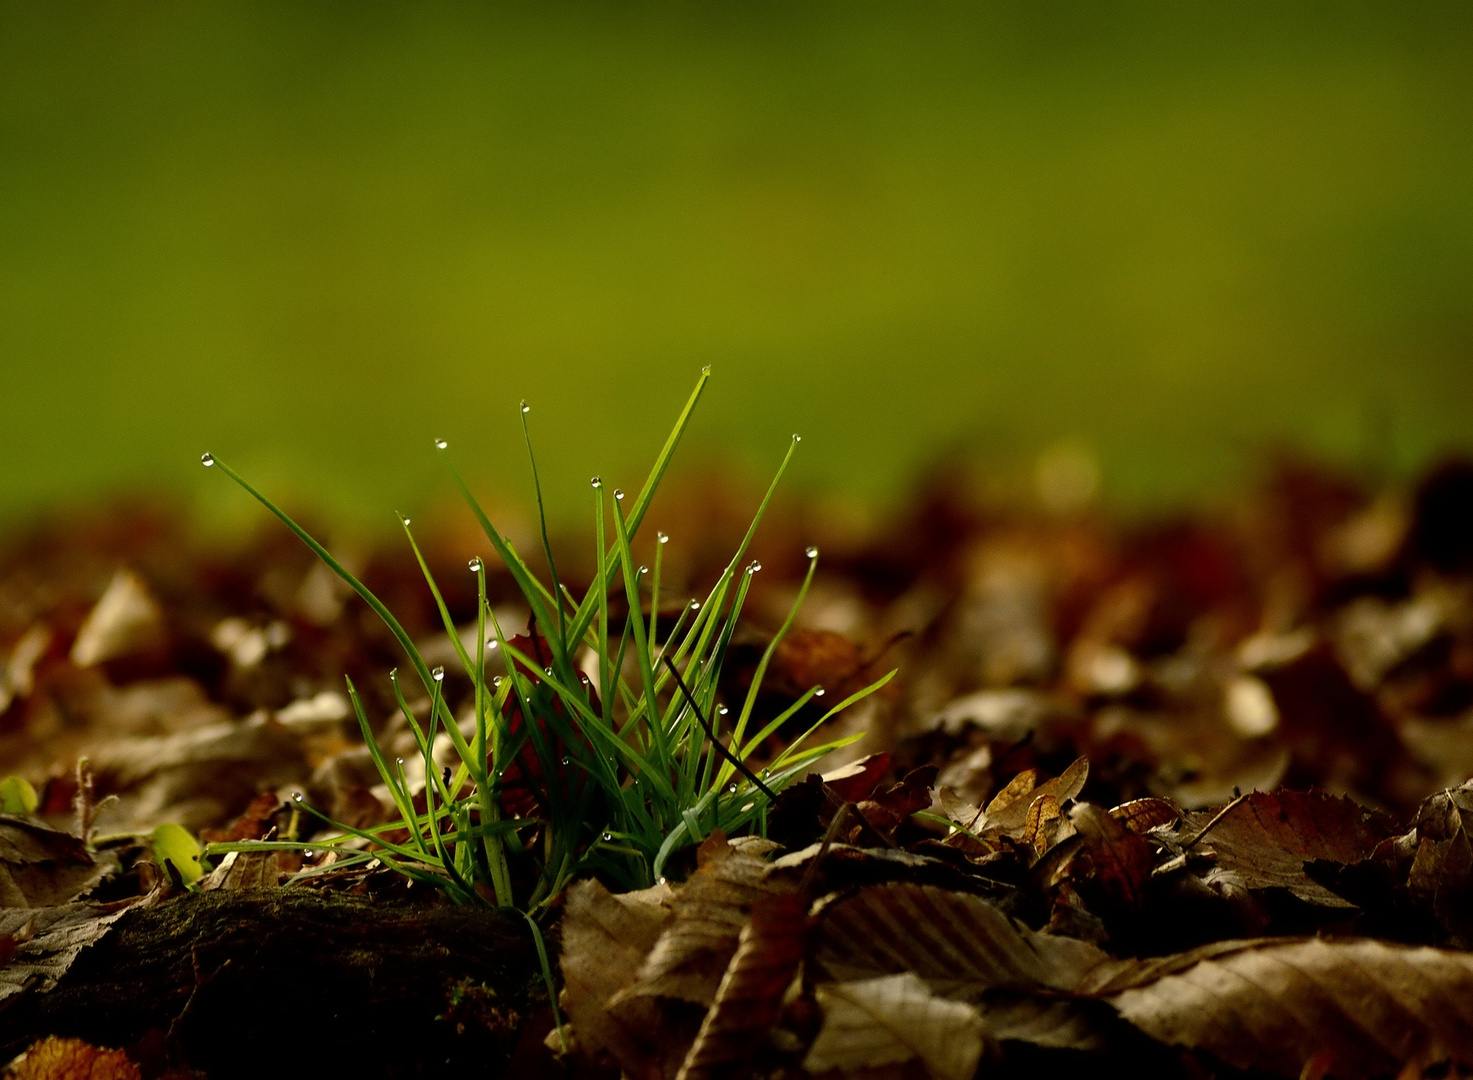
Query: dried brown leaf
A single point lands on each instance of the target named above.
(55, 1058)
(48, 940)
(858, 779)
(1266, 840)
(960, 944)
(1113, 864)
(750, 998)
(43, 867)
(1008, 812)
(605, 941)
(1142, 815)
(891, 1019)
(126, 620)
(1274, 1005)
(709, 911)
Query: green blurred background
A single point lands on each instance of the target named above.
(311, 237)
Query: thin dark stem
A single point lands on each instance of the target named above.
(736, 762)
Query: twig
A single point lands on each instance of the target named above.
(735, 761)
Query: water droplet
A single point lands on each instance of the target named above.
(400, 762)
(597, 481)
(307, 853)
(296, 796)
(438, 674)
(660, 881)
(618, 494)
(644, 569)
(567, 761)
(404, 519)
(695, 605)
(490, 644)
(756, 566)
(207, 460)
(797, 437)
(475, 565)
(812, 552)
(662, 538)
(706, 370)
(440, 444)
(496, 681)
(526, 408)
(547, 671)
(731, 789)
(393, 674)
(608, 836)
(722, 710)
(818, 692)
(766, 773)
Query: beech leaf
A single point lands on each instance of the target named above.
(1266, 840)
(749, 1000)
(1273, 1005)
(892, 1019)
(709, 912)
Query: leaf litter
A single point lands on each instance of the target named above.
(1189, 798)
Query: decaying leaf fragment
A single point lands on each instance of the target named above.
(892, 1019)
(1369, 1006)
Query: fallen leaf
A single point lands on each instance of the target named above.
(1113, 865)
(708, 913)
(1266, 840)
(891, 1019)
(857, 780)
(1008, 812)
(126, 620)
(605, 941)
(750, 998)
(41, 866)
(1274, 1005)
(961, 945)
(48, 939)
(55, 1058)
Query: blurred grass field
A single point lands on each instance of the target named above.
(310, 238)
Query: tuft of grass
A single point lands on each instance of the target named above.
(604, 733)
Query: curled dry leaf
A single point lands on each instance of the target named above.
(892, 1019)
(1266, 840)
(48, 939)
(605, 940)
(1008, 811)
(41, 866)
(709, 912)
(1440, 877)
(54, 1058)
(1112, 864)
(750, 998)
(1274, 1005)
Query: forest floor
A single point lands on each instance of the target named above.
(1179, 798)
